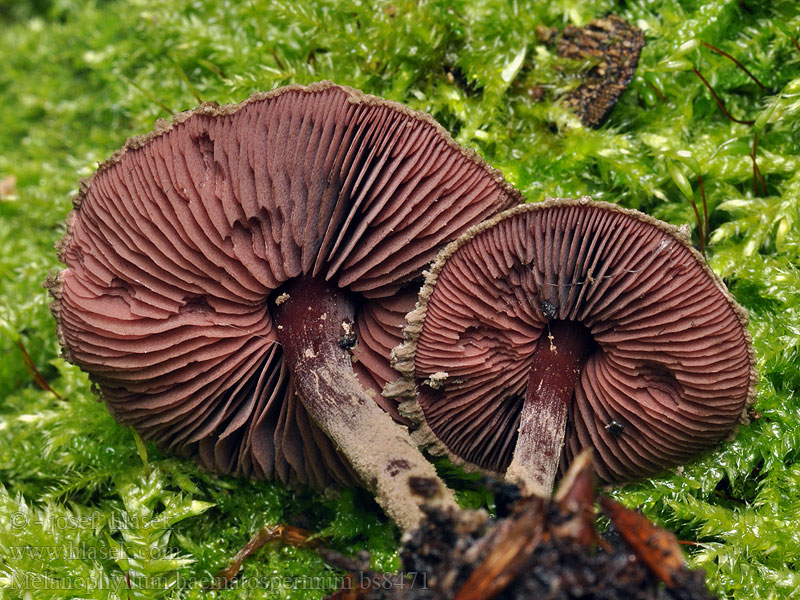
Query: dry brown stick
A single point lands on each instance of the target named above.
(700, 231)
(757, 176)
(658, 92)
(705, 203)
(509, 555)
(34, 372)
(292, 536)
(655, 547)
(719, 101)
(736, 62)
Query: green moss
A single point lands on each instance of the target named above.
(77, 78)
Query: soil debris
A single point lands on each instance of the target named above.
(542, 548)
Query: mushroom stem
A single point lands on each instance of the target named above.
(557, 363)
(312, 316)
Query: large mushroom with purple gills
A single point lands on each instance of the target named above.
(236, 279)
(568, 324)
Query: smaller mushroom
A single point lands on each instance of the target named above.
(570, 324)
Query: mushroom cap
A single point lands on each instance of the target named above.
(671, 369)
(181, 241)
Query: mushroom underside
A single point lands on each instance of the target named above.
(182, 247)
(662, 369)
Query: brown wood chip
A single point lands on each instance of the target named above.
(617, 45)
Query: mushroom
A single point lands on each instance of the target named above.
(570, 324)
(236, 279)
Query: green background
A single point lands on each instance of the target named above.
(84, 505)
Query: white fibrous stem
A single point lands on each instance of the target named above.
(310, 323)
